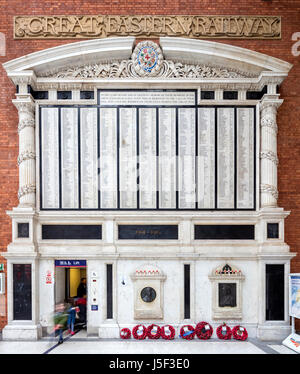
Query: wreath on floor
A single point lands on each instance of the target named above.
(167, 332)
(239, 333)
(139, 332)
(224, 332)
(153, 331)
(204, 330)
(125, 333)
(187, 332)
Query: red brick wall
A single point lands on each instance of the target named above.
(288, 116)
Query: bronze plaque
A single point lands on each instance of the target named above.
(145, 26)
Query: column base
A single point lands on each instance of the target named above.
(22, 332)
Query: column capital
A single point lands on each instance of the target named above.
(270, 100)
(24, 103)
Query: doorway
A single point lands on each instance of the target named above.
(70, 289)
(67, 283)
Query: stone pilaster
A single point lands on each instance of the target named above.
(27, 156)
(268, 150)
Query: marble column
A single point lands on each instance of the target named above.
(27, 156)
(268, 150)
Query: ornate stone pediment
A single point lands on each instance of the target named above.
(147, 60)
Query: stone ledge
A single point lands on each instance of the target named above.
(22, 332)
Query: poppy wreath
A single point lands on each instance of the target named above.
(239, 333)
(150, 334)
(125, 333)
(203, 330)
(189, 334)
(167, 336)
(139, 336)
(222, 334)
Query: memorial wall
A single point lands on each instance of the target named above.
(147, 149)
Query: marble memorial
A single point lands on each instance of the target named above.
(148, 149)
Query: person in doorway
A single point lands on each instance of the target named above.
(81, 289)
(71, 317)
(81, 303)
(60, 319)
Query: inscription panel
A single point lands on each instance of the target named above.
(167, 158)
(148, 232)
(69, 157)
(147, 26)
(186, 157)
(89, 158)
(225, 158)
(245, 157)
(108, 158)
(128, 159)
(50, 158)
(147, 158)
(206, 158)
(148, 98)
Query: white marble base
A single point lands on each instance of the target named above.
(273, 332)
(109, 331)
(22, 332)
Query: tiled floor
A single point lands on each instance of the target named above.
(80, 344)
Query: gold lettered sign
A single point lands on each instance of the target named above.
(102, 26)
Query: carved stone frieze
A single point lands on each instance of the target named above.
(146, 61)
(125, 69)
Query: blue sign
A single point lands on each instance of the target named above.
(70, 263)
(94, 307)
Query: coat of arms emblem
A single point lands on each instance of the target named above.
(147, 58)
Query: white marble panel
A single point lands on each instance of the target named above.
(128, 159)
(108, 158)
(225, 158)
(245, 157)
(88, 158)
(186, 157)
(167, 158)
(69, 157)
(206, 158)
(50, 158)
(147, 158)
